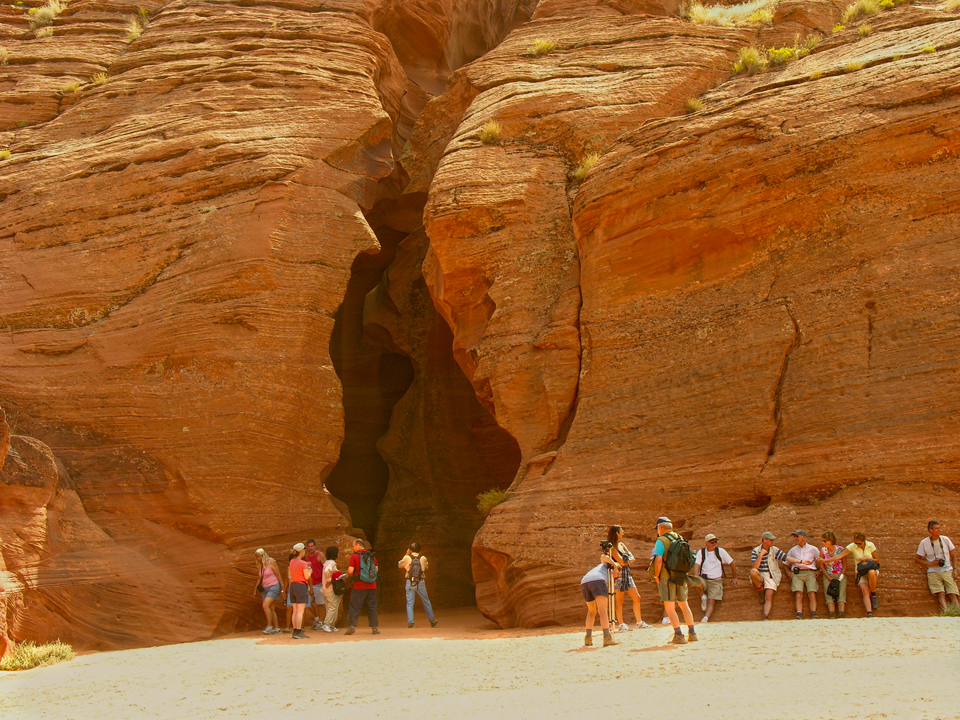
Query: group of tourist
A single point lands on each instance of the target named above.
(674, 567)
(314, 582)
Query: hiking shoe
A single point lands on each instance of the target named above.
(588, 641)
(703, 603)
(814, 616)
(326, 628)
(869, 614)
(765, 617)
(692, 637)
(350, 630)
(623, 627)
(434, 623)
(299, 635)
(409, 625)
(275, 631)
(799, 616)
(643, 626)
(842, 614)
(833, 616)
(376, 631)
(678, 640)
(874, 603)
(665, 621)
(609, 641)
(317, 625)
(705, 619)
(268, 630)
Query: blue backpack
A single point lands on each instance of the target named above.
(368, 567)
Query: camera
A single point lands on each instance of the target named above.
(797, 568)
(941, 562)
(605, 545)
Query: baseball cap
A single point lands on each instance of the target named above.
(799, 532)
(298, 547)
(661, 520)
(768, 536)
(709, 537)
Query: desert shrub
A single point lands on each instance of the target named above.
(950, 611)
(780, 56)
(99, 79)
(860, 8)
(930, 49)
(70, 87)
(541, 47)
(43, 16)
(22, 123)
(581, 170)
(839, 28)
(27, 655)
(134, 29)
(853, 66)
(749, 61)
(815, 74)
(694, 105)
(487, 501)
(755, 12)
(5, 155)
(490, 132)
(887, 4)
(4, 56)
(44, 32)
(865, 30)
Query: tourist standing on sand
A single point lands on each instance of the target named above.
(672, 593)
(414, 566)
(833, 565)
(709, 567)
(316, 560)
(330, 598)
(299, 589)
(802, 559)
(594, 588)
(764, 574)
(936, 553)
(270, 586)
(363, 569)
(625, 585)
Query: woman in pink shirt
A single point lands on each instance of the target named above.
(271, 589)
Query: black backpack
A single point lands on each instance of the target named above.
(339, 584)
(415, 571)
(679, 558)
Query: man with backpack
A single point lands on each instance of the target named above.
(363, 569)
(709, 568)
(415, 566)
(672, 559)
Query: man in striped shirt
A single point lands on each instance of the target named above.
(764, 573)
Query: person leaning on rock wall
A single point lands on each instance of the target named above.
(802, 559)
(936, 553)
(833, 567)
(764, 574)
(710, 568)
(414, 566)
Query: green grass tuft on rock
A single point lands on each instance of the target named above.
(487, 501)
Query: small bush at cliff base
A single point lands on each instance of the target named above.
(27, 655)
(490, 132)
(487, 501)
(580, 172)
(951, 611)
(542, 47)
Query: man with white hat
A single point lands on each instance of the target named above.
(764, 571)
(710, 562)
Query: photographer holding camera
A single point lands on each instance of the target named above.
(936, 554)
(595, 590)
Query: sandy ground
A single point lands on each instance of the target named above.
(881, 668)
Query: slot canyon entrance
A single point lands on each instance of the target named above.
(418, 446)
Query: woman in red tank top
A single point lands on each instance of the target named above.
(299, 593)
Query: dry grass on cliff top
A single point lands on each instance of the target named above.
(755, 12)
(467, 669)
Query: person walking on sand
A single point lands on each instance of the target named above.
(802, 559)
(936, 553)
(270, 586)
(594, 588)
(673, 587)
(363, 568)
(299, 592)
(710, 568)
(833, 565)
(316, 560)
(625, 585)
(414, 566)
(330, 599)
(764, 574)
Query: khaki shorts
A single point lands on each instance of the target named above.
(804, 580)
(672, 593)
(942, 582)
(713, 589)
(843, 590)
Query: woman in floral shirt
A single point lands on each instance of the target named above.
(833, 569)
